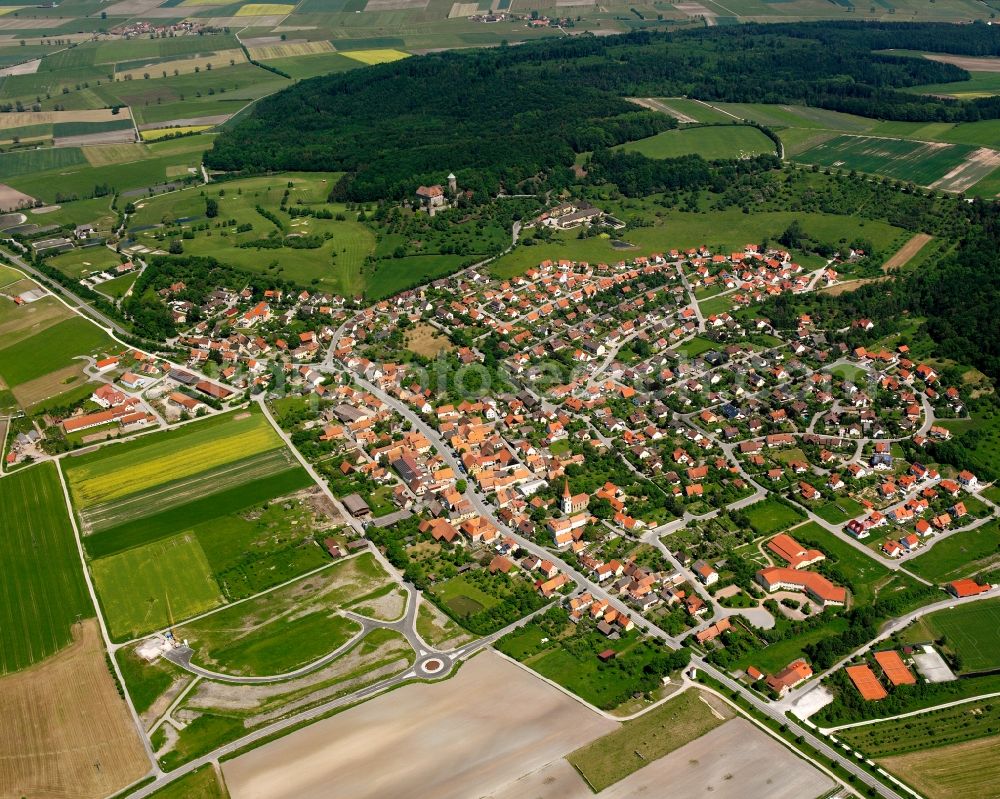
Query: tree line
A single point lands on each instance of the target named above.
(508, 116)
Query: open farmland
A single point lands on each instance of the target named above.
(460, 737)
(721, 141)
(267, 52)
(173, 495)
(965, 769)
(54, 348)
(369, 57)
(289, 627)
(155, 585)
(945, 726)
(923, 163)
(64, 731)
(43, 591)
(647, 738)
(120, 471)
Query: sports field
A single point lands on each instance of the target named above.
(154, 461)
(54, 348)
(155, 585)
(920, 162)
(337, 261)
(43, 592)
(971, 631)
(722, 141)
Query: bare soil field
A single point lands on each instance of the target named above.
(51, 385)
(967, 62)
(64, 731)
(850, 285)
(19, 119)
(12, 199)
(124, 136)
(24, 68)
(656, 105)
(734, 761)
(216, 119)
(906, 252)
(969, 769)
(456, 739)
(186, 66)
(427, 340)
(977, 166)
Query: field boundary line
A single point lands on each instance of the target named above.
(910, 714)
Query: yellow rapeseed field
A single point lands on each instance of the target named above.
(375, 56)
(160, 133)
(264, 9)
(168, 460)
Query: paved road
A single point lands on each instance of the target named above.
(888, 629)
(103, 321)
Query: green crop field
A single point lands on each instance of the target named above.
(770, 516)
(651, 736)
(960, 555)
(723, 141)
(971, 631)
(175, 494)
(53, 349)
(155, 585)
(116, 472)
(43, 591)
(919, 162)
(80, 179)
(29, 162)
(129, 532)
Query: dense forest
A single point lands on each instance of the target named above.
(510, 115)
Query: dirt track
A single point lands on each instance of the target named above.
(64, 731)
(906, 252)
(462, 738)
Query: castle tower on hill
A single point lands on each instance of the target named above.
(452, 183)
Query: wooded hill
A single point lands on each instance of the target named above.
(512, 114)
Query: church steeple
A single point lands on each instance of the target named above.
(567, 498)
